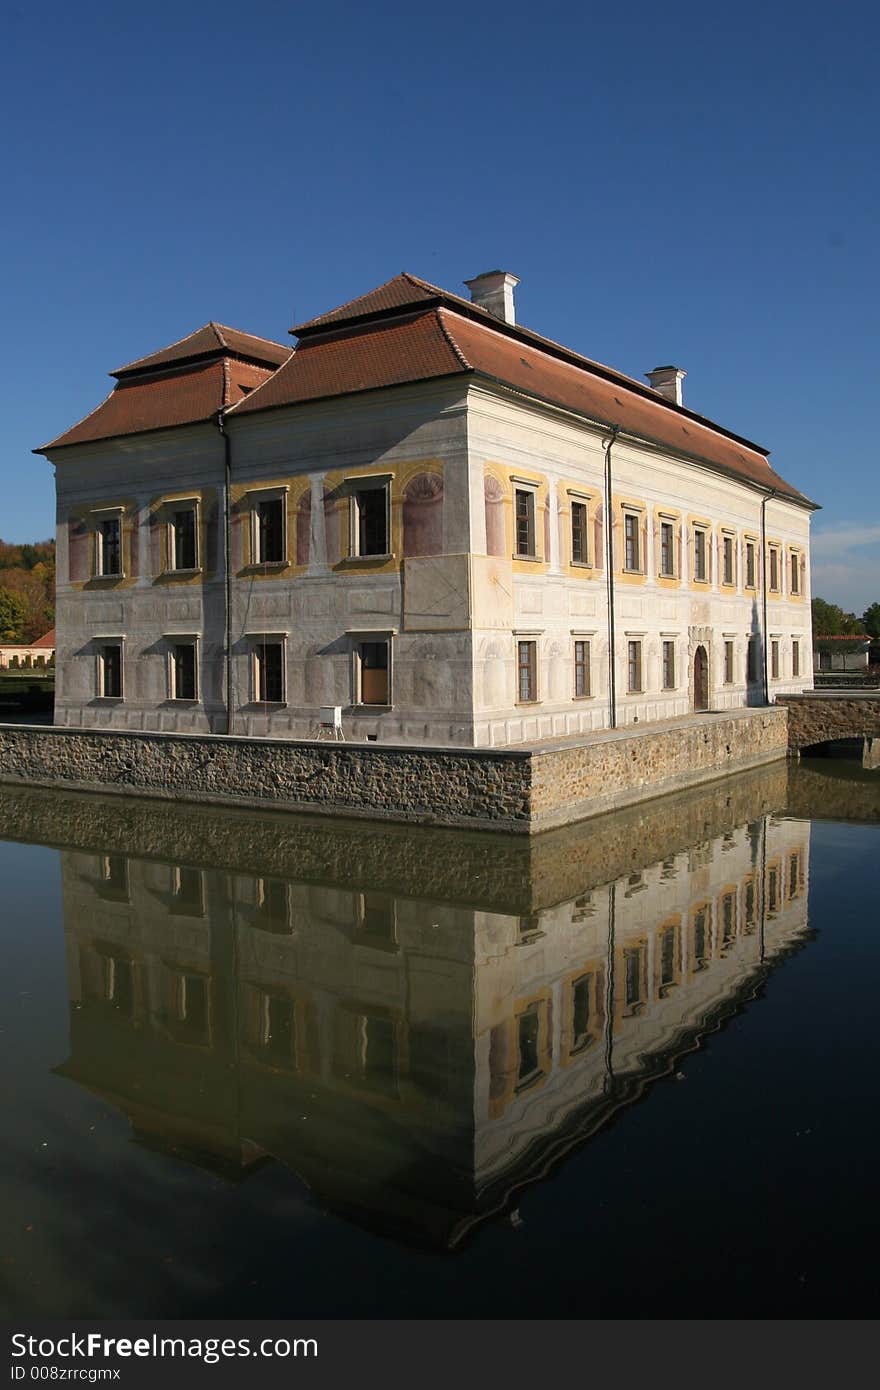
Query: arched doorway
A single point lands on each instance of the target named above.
(701, 678)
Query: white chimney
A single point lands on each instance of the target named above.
(493, 290)
(667, 382)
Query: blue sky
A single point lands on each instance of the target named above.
(683, 183)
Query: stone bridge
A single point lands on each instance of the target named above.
(825, 716)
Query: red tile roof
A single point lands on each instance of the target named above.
(183, 384)
(47, 639)
(214, 340)
(374, 342)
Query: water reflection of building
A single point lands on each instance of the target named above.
(414, 1060)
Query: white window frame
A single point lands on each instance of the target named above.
(100, 515)
(580, 499)
(102, 641)
(728, 640)
(796, 664)
(535, 639)
(631, 513)
(751, 543)
(728, 538)
(705, 531)
(794, 572)
(183, 504)
(638, 639)
(268, 494)
(667, 639)
(357, 637)
(182, 639)
(257, 640)
(672, 522)
(531, 488)
(373, 482)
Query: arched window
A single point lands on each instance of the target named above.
(423, 515)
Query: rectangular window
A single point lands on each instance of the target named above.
(727, 550)
(526, 672)
(668, 665)
(579, 533)
(370, 531)
(110, 671)
(633, 976)
(269, 673)
(187, 891)
(183, 671)
(269, 532)
(525, 522)
(752, 660)
(667, 550)
(728, 663)
(774, 659)
(182, 534)
(774, 570)
(529, 1036)
(373, 667)
(795, 573)
(700, 556)
(273, 905)
(667, 957)
(634, 666)
(581, 668)
(750, 565)
(581, 1014)
(110, 546)
(795, 657)
(632, 552)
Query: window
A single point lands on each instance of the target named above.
(701, 570)
(632, 975)
(667, 549)
(632, 550)
(752, 660)
(268, 658)
(774, 659)
(373, 686)
(183, 546)
(795, 657)
(581, 1014)
(581, 668)
(109, 546)
(530, 1037)
(727, 560)
(579, 533)
(273, 906)
(183, 671)
(701, 938)
(728, 663)
(774, 569)
(795, 572)
(187, 891)
(110, 671)
(667, 957)
(634, 665)
(526, 672)
(370, 528)
(728, 919)
(270, 541)
(668, 665)
(750, 565)
(524, 502)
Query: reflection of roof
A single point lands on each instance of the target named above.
(183, 384)
(408, 331)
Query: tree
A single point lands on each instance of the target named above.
(871, 620)
(13, 616)
(830, 620)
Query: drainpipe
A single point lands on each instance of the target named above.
(227, 576)
(764, 500)
(609, 567)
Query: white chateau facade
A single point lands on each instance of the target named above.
(426, 517)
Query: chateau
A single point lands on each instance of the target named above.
(425, 525)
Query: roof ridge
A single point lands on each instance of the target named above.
(212, 323)
(167, 348)
(228, 409)
(439, 314)
(258, 337)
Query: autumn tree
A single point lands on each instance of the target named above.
(13, 616)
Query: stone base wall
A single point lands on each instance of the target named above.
(522, 790)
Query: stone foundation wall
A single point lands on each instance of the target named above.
(522, 790)
(824, 716)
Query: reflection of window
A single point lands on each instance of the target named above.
(187, 890)
(377, 918)
(581, 668)
(583, 908)
(367, 1049)
(109, 546)
(113, 875)
(794, 864)
(667, 957)
(750, 905)
(773, 889)
(581, 1014)
(632, 976)
(188, 1007)
(373, 673)
(579, 533)
(728, 919)
(701, 938)
(110, 671)
(524, 509)
(277, 1028)
(526, 673)
(119, 983)
(273, 905)
(529, 1038)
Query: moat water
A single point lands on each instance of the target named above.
(256, 1065)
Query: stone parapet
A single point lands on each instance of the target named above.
(523, 790)
(827, 716)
